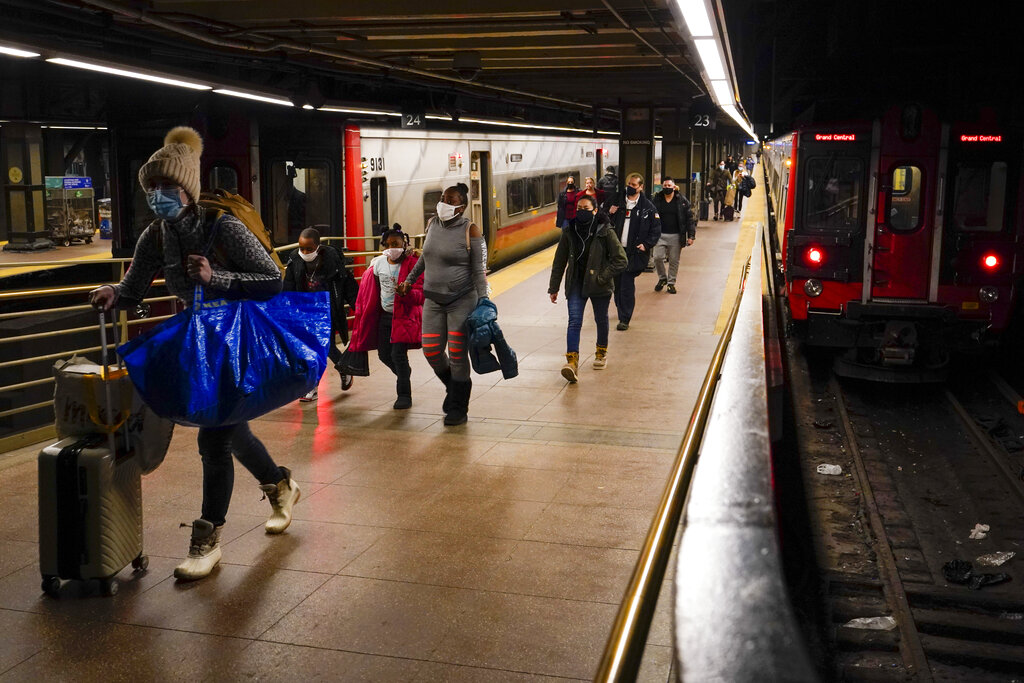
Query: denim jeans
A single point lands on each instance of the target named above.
(395, 356)
(576, 303)
(216, 444)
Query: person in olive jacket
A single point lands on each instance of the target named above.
(591, 257)
(638, 227)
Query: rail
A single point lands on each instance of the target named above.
(123, 325)
(732, 620)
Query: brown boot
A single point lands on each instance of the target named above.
(570, 370)
(600, 357)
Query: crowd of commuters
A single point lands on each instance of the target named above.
(406, 299)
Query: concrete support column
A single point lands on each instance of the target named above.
(636, 146)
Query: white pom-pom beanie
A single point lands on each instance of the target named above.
(177, 160)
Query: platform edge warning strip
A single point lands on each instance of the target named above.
(510, 276)
(744, 244)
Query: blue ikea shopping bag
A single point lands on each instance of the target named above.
(226, 361)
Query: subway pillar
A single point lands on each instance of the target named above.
(636, 145)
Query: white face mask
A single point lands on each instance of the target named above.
(308, 258)
(446, 212)
(394, 253)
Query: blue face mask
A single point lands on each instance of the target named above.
(165, 203)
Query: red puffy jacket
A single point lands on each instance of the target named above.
(407, 323)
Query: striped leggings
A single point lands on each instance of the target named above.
(445, 325)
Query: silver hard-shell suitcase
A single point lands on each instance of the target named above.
(90, 505)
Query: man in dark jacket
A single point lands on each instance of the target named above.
(718, 181)
(316, 268)
(638, 227)
(609, 182)
(677, 231)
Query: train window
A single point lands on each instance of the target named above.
(979, 196)
(300, 196)
(430, 200)
(905, 199)
(835, 187)
(550, 188)
(515, 192)
(223, 176)
(534, 192)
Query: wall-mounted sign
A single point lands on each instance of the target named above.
(515, 157)
(14, 174)
(413, 119)
(981, 138)
(635, 142)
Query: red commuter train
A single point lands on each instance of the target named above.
(902, 238)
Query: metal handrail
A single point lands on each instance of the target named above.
(624, 651)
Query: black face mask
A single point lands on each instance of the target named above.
(631, 191)
(669, 190)
(584, 218)
(571, 186)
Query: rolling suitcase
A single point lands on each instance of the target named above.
(705, 208)
(90, 506)
(728, 213)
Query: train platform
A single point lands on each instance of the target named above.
(494, 551)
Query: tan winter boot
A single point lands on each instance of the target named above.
(570, 370)
(283, 496)
(203, 552)
(600, 357)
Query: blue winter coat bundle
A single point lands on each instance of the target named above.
(483, 331)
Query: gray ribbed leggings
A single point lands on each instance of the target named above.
(445, 325)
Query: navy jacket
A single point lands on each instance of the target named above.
(483, 331)
(644, 229)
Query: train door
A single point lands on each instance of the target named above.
(481, 193)
(904, 229)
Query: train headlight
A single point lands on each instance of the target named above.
(813, 288)
(988, 294)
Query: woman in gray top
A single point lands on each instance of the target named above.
(453, 262)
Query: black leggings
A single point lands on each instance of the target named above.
(216, 444)
(394, 355)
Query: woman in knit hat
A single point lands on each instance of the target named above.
(241, 268)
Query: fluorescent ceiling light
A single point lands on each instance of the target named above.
(707, 48)
(15, 52)
(75, 127)
(510, 124)
(308, 106)
(608, 132)
(250, 96)
(695, 13)
(439, 117)
(359, 110)
(734, 113)
(129, 74)
(722, 92)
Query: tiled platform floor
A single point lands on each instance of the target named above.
(495, 551)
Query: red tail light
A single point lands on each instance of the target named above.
(990, 261)
(814, 257)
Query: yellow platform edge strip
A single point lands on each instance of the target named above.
(510, 276)
(744, 245)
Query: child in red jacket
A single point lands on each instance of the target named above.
(388, 321)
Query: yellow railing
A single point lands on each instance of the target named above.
(123, 321)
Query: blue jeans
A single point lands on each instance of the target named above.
(577, 302)
(216, 444)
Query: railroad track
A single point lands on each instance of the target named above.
(925, 463)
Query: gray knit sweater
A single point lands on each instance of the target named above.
(248, 273)
(449, 268)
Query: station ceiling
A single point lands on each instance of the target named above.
(579, 56)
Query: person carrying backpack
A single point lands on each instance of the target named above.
(316, 267)
(195, 247)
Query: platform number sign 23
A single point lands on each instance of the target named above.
(700, 120)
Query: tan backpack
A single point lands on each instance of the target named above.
(221, 201)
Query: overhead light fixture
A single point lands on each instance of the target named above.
(707, 48)
(511, 124)
(438, 117)
(251, 96)
(722, 92)
(75, 127)
(15, 52)
(308, 106)
(695, 13)
(128, 74)
(734, 113)
(360, 110)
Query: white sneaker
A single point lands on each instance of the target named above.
(283, 496)
(311, 396)
(203, 552)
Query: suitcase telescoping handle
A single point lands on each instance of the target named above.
(104, 377)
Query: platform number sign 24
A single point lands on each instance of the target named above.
(412, 119)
